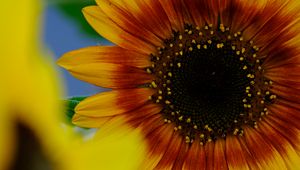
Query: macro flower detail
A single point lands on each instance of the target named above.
(209, 84)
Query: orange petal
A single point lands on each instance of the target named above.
(148, 13)
(286, 93)
(113, 102)
(174, 10)
(263, 153)
(127, 22)
(111, 31)
(110, 75)
(281, 144)
(286, 113)
(209, 152)
(104, 54)
(287, 130)
(178, 164)
(196, 158)
(219, 155)
(203, 11)
(143, 113)
(158, 142)
(235, 155)
(89, 122)
(171, 153)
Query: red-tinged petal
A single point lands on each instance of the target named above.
(219, 155)
(178, 164)
(126, 21)
(271, 28)
(174, 10)
(157, 142)
(238, 14)
(113, 102)
(104, 54)
(288, 75)
(286, 93)
(171, 153)
(196, 157)
(111, 75)
(286, 113)
(209, 152)
(291, 133)
(281, 144)
(142, 114)
(262, 152)
(203, 11)
(89, 122)
(111, 31)
(148, 13)
(236, 157)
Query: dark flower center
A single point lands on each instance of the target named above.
(210, 83)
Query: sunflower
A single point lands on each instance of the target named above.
(210, 84)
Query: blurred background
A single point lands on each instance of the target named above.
(65, 29)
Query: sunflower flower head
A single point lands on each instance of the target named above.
(210, 84)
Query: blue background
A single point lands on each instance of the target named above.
(61, 34)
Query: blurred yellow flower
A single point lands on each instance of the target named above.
(29, 105)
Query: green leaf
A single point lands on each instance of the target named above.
(72, 9)
(70, 106)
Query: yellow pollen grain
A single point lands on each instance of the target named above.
(190, 32)
(211, 32)
(198, 46)
(194, 41)
(171, 64)
(241, 58)
(153, 84)
(167, 102)
(267, 92)
(206, 27)
(169, 121)
(176, 53)
(195, 127)
(160, 72)
(249, 95)
(235, 35)
(228, 37)
(180, 45)
(178, 65)
(239, 33)
(157, 101)
(197, 28)
(166, 120)
(254, 55)
(205, 46)
(245, 68)
(258, 93)
(233, 47)
(168, 57)
(244, 100)
(180, 37)
(210, 25)
(149, 71)
(209, 41)
(200, 33)
(238, 52)
(169, 93)
(202, 136)
(160, 97)
(179, 127)
(159, 92)
(181, 52)
(180, 118)
(175, 128)
(243, 50)
(171, 45)
(188, 120)
(262, 102)
(241, 39)
(170, 74)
